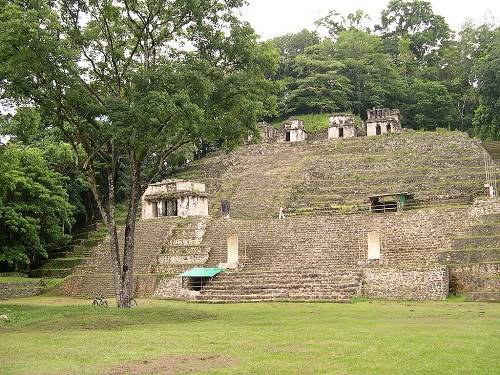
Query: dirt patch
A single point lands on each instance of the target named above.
(171, 365)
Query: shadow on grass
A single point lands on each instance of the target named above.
(57, 318)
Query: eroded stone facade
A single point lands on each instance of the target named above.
(341, 125)
(383, 120)
(292, 130)
(174, 198)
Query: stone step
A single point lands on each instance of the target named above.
(492, 296)
(477, 242)
(491, 218)
(63, 263)
(469, 256)
(274, 297)
(57, 273)
(490, 229)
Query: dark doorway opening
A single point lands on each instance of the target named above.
(389, 128)
(171, 207)
(378, 130)
(287, 137)
(380, 205)
(197, 283)
(341, 132)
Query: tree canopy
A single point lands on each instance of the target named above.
(34, 207)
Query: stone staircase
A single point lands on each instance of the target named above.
(287, 260)
(182, 251)
(261, 285)
(63, 261)
(164, 247)
(331, 177)
(94, 277)
(474, 260)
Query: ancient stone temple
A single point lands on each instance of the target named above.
(268, 133)
(382, 121)
(341, 125)
(174, 198)
(292, 130)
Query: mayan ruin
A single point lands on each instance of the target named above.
(398, 237)
(249, 187)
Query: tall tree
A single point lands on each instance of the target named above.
(318, 84)
(335, 23)
(416, 21)
(487, 115)
(430, 106)
(459, 68)
(372, 73)
(134, 80)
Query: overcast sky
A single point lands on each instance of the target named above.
(271, 18)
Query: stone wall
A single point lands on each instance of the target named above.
(420, 284)
(474, 257)
(20, 289)
(332, 247)
(485, 206)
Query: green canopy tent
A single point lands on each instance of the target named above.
(197, 278)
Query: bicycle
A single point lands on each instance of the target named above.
(100, 301)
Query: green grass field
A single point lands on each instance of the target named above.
(56, 335)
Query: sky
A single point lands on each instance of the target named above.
(271, 18)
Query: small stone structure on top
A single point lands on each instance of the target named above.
(292, 130)
(268, 133)
(174, 198)
(341, 125)
(382, 121)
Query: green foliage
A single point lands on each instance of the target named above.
(431, 106)
(335, 23)
(372, 73)
(487, 115)
(24, 125)
(34, 208)
(318, 85)
(416, 21)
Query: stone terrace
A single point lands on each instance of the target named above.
(326, 177)
(322, 258)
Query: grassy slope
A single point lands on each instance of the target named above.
(63, 336)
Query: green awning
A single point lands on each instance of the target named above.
(202, 272)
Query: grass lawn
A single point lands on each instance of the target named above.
(57, 335)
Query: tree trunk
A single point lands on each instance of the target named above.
(114, 244)
(127, 276)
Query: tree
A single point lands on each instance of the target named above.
(24, 125)
(135, 81)
(372, 73)
(431, 106)
(416, 21)
(487, 115)
(335, 23)
(459, 67)
(34, 207)
(318, 85)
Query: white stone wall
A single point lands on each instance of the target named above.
(349, 132)
(187, 205)
(192, 206)
(341, 119)
(371, 128)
